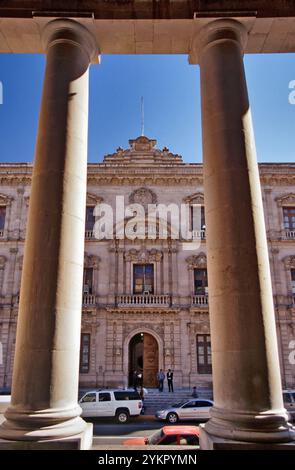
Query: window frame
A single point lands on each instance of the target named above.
(206, 367)
(84, 367)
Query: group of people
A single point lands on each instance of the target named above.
(161, 377)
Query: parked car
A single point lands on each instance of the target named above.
(197, 409)
(168, 435)
(289, 403)
(5, 391)
(119, 404)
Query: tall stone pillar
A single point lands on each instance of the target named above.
(247, 386)
(45, 376)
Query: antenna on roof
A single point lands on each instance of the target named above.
(142, 116)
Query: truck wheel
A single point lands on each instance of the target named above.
(122, 417)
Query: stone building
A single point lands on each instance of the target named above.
(145, 300)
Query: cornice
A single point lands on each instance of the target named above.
(271, 174)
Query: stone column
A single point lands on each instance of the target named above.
(120, 270)
(247, 385)
(166, 287)
(45, 376)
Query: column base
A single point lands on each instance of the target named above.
(81, 441)
(210, 442)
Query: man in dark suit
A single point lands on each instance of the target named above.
(170, 380)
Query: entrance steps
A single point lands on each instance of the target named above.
(155, 400)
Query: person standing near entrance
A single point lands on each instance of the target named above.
(170, 380)
(161, 378)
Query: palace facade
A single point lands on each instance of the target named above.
(145, 303)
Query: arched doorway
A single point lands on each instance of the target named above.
(144, 357)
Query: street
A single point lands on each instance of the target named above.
(108, 432)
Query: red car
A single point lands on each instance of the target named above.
(168, 435)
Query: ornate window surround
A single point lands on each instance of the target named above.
(143, 256)
(195, 262)
(285, 200)
(289, 262)
(92, 261)
(6, 201)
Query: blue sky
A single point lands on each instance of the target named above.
(170, 87)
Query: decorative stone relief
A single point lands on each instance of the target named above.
(143, 256)
(286, 199)
(289, 262)
(197, 261)
(93, 199)
(143, 196)
(5, 200)
(91, 261)
(196, 198)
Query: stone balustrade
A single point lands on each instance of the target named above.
(128, 300)
(89, 299)
(200, 300)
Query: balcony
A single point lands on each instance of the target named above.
(200, 301)
(89, 235)
(89, 299)
(289, 234)
(199, 235)
(148, 300)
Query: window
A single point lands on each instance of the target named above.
(194, 217)
(104, 397)
(87, 280)
(289, 218)
(191, 404)
(204, 354)
(2, 218)
(126, 395)
(89, 398)
(90, 219)
(202, 404)
(293, 280)
(143, 278)
(201, 281)
(189, 439)
(85, 353)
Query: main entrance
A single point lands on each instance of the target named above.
(144, 357)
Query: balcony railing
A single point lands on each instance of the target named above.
(89, 234)
(89, 299)
(200, 300)
(199, 234)
(126, 300)
(290, 234)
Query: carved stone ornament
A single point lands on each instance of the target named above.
(91, 261)
(5, 200)
(289, 262)
(143, 196)
(286, 200)
(197, 261)
(196, 198)
(93, 199)
(143, 256)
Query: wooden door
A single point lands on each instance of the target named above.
(150, 361)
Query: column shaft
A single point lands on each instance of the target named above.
(45, 375)
(247, 386)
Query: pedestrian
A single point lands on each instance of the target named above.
(170, 380)
(139, 378)
(195, 393)
(142, 392)
(135, 379)
(161, 378)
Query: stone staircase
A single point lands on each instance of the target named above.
(155, 400)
